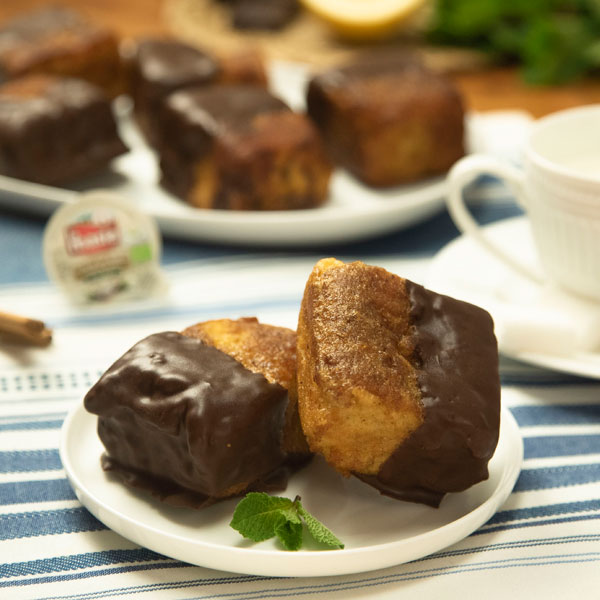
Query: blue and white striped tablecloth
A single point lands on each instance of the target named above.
(543, 543)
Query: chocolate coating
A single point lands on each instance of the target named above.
(54, 130)
(456, 358)
(188, 422)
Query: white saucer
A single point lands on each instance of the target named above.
(464, 270)
(377, 531)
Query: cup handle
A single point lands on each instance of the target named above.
(463, 173)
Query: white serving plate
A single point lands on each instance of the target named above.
(377, 531)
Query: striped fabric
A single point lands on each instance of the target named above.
(544, 542)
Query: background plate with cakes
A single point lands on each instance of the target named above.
(233, 197)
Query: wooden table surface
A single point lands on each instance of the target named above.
(489, 89)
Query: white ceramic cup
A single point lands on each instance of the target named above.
(559, 188)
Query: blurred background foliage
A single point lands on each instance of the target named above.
(555, 41)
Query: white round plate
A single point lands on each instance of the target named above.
(352, 212)
(463, 269)
(377, 531)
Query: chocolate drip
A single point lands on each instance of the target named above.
(456, 359)
(188, 422)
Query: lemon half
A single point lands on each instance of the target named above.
(364, 19)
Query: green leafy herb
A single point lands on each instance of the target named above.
(554, 40)
(260, 517)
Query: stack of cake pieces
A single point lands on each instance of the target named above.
(388, 381)
(222, 139)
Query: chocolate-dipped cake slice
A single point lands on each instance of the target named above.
(54, 130)
(190, 423)
(59, 41)
(388, 119)
(239, 147)
(397, 385)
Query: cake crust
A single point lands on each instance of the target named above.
(260, 347)
(358, 395)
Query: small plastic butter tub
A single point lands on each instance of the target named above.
(103, 249)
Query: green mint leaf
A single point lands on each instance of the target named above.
(258, 515)
(321, 533)
(289, 534)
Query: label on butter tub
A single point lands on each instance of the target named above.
(101, 249)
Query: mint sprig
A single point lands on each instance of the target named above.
(260, 517)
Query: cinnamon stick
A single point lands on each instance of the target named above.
(25, 329)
